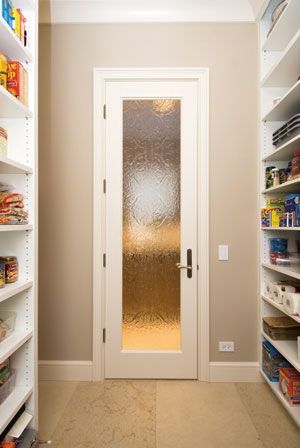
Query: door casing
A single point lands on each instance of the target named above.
(101, 76)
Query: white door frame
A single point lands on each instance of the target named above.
(201, 75)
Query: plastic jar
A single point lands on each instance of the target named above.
(278, 244)
(295, 172)
(11, 269)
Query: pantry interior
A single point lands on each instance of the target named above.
(278, 224)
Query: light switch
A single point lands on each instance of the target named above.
(223, 252)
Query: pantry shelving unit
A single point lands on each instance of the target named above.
(279, 73)
(19, 168)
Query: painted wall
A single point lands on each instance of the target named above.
(68, 54)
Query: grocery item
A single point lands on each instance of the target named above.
(268, 176)
(3, 70)
(281, 328)
(16, 21)
(4, 371)
(291, 303)
(296, 165)
(3, 142)
(7, 323)
(7, 11)
(11, 206)
(289, 384)
(2, 275)
(275, 176)
(11, 269)
(272, 360)
(278, 250)
(17, 81)
(276, 290)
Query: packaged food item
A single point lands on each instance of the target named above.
(7, 324)
(16, 21)
(275, 177)
(7, 11)
(272, 360)
(295, 172)
(2, 274)
(281, 328)
(4, 371)
(268, 176)
(289, 384)
(11, 269)
(17, 81)
(3, 142)
(292, 206)
(3, 70)
(278, 244)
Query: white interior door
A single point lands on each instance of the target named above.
(150, 228)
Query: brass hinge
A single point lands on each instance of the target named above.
(104, 335)
(104, 111)
(104, 186)
(104, 260)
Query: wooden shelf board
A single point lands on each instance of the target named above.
(284, 152)
(286, 71)
(288, 349)
(15, 228)
(285, 28)
(282, 270)
(294, 411)
(13, 289)
(288, 106)
(11, 45)
(13, 342)
(12, 404)
(11, 107)
(9, 166)
(292, 186)
(280, 308)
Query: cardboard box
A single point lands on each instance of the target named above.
(289, 384)
(17, 21)
(3, 70)
(17, 81)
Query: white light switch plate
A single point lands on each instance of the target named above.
(223, 252)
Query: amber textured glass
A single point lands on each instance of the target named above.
(151, 224)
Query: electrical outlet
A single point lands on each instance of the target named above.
(226, 346)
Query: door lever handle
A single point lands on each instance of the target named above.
(182, 266)
(189, 265)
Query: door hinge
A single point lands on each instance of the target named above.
(104, 186)
(104, 260)
(104, 335)
(104, 111)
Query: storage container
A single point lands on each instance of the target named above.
(7, 323)
(289, 384)
(281, 328)
(7, 388)
(272, 360)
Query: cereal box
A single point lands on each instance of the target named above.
(17, 81)
(17, 21)
(289, 384)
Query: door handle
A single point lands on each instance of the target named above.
(189, 266)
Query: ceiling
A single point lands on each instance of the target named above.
(83, 11)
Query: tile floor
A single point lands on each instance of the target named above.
(163, 414)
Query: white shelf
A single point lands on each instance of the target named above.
(282, 270)
(11, 107)
(292, 186)
(13, 342)
(12, 404)
(13, 289)
(285, 28)
(11, 45)
(288, 106)
(26, 5)
(15, 228)
(280, 308)
(9, 166)
(286, 72)
(288, 349)
(286, 229)
(294, 411)
(284, 152)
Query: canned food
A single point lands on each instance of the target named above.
(11, 269)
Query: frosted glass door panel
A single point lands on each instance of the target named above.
(151, 224)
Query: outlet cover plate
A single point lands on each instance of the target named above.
(226, 346)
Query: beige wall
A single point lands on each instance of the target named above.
(68, 54)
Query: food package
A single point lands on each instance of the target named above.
(289, 384)
(16, 21)
(17, 81)
(3, 70)
(3, 142)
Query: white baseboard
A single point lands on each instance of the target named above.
(66, 370)
(234, 372)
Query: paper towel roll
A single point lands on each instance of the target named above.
(269, 285)
(291, 303)
(278, 291)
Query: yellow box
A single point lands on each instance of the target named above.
(17, 21)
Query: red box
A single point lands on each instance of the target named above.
(17, 81)
(289, 384)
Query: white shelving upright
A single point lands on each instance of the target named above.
(279, 73)
(19, 168)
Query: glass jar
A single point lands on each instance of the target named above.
(2, 274)
(295, 172)
(11, 269)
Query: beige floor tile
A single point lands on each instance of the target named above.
(272, 422)
(191, 414)
(109, 414)
(53, 399)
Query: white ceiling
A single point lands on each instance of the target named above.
(80, 11)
